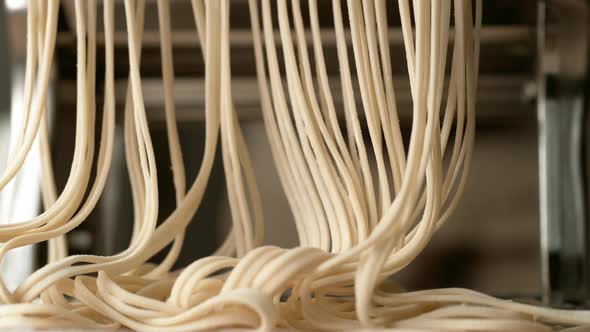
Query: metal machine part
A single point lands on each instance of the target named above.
(562, 104)
(19, 199)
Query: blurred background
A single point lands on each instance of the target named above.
(492, 243)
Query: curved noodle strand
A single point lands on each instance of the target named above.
(365, 202)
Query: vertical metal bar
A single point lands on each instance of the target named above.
(5, 60)
(20, 198)
(562, 71)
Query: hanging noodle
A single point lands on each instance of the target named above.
(357, 226)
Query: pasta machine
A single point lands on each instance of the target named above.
(534, 69)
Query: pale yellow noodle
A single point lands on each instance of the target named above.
(357, 226)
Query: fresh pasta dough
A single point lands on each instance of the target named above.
(358, 224)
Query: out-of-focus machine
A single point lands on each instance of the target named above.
(531, 179)
(562, 108)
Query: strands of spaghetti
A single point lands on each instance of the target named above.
(358, 225)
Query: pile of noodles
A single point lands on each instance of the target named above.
(364, 208)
